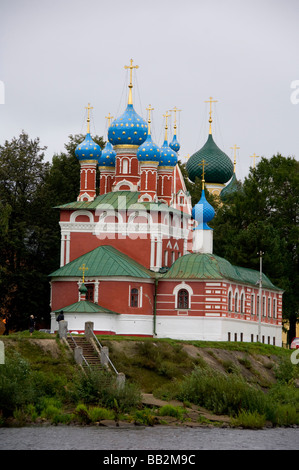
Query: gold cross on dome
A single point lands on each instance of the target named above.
(166, 126)
(203, 163)
(235, 161)
(109, 119)
(175, 110)
(88, 117)
(210, 112)
(149, 109)
(83, 268)
(131, 67)
(254, 156)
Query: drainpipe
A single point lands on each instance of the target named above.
(155, 306)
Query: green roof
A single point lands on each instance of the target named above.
(84, 306)
(209, 266)
(232, 187)
(219, 167)
(121, 200)
(104, 261)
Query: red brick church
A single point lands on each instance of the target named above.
(138, 260)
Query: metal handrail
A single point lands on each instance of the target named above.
(84, 359)
(101, 348)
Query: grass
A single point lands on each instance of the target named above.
(36, 385)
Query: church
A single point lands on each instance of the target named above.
(137, 259)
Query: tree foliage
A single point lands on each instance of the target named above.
(264, 215)
(29, 228)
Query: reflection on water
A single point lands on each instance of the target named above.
(155, 438)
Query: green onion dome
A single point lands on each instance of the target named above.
(232, 187)
(218, 166)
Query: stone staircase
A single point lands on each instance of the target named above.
(88, 351)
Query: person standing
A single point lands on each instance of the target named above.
(31, 324)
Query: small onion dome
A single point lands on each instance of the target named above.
(128, 129)
(232, 187)
(148, 151)
(174, 145)
(203, 212)
(83, 289)
(88, 149)
(108, 156)
(168, 157)
(219, 167)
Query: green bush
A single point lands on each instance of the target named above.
(145, 416)
(97, 414)
(15, 385)
(174, 411)
(249, 420)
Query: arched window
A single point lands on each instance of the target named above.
(134, 297)
(183, 298)
(230, 301)
(242, 303)
(90, 292)
(236, 302)
(125, 166)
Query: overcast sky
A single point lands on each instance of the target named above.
(56, 56)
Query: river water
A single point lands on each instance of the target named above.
(147, 438)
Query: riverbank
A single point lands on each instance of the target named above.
(168, 383)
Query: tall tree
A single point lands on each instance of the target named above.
(264, 215)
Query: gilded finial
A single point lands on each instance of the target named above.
(175, 110)
(88, 117)
(131, 67)
(210, 112)
(109, 119)
(166, 126)
(203, 162)
(83, 268)
(149, 109)
(235, 160)
(254, 156)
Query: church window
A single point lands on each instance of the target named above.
(242, 303)
(269, 307)
(183, 298)
(90, 292)
(264, 306)
(274, 308)
(134, 297)
(165, 258)
(236, 302)
(229, 301)
(125, 166)
(252, 304)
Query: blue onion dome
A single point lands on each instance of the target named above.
(174, 145)
(203, 213)
(88, 149)
(128, 129)
(108, 156)
(219, 167)
(148, 151)
(168, 157)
